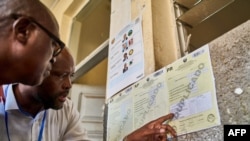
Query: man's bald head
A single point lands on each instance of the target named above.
(29, 8)
(29, 33)
(63, 59)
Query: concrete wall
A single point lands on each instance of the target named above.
(230, 55)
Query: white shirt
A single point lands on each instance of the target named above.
(59, 125)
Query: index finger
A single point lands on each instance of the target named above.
(164, 118)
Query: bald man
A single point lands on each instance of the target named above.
(29, 41)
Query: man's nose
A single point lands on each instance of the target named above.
(67, 83)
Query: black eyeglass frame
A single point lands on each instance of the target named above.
(51, 35)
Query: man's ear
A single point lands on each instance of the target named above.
(22, 29)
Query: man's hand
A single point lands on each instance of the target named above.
(155, 130)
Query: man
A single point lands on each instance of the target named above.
(29, 38)
(34, 112)
(42, 112)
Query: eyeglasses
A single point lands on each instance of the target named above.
(59, 45)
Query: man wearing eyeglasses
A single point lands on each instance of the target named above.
(43, 112)
(29, 38)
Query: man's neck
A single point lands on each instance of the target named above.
(26, 101)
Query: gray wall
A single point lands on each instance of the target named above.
(230, 55)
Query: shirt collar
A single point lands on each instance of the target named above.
(10, 103)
